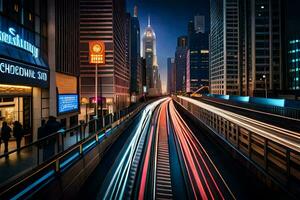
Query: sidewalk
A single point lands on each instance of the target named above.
(11, 145)
(27, 159)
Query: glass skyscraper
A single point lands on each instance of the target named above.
(246, 57)
(294, 64)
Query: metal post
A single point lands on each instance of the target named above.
(96, 96)
(266, 88)
(96, 90)
(102, 117)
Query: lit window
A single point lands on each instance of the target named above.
(30, 17)
(16, 7)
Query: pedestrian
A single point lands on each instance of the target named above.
(41, 130)
(18, 133)
(5, 135)
(52, 126)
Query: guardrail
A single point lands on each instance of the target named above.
(23, 180)
(278, 110)
(275, 152)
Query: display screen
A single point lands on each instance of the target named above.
(67, 103)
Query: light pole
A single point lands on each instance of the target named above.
(266, 88)
(96, 91)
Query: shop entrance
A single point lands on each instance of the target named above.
(16, 105)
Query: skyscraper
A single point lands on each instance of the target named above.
(171, 76)
(292, 44)
(149, 53)
(224, 45)
(199, 24)
(181, 64)
(245, 46)
(199, 56)
(105, 20)
(135, 55)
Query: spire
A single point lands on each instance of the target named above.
(149, 21)
(135, 11)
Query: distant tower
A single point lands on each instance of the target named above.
(149, 53)
(199, 24)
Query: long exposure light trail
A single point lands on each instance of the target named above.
(117, 183)
(283, 136)
(197, 165)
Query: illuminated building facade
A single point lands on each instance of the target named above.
(24, 69)
(149, 53)
(105, 20)
(294, 64)
(199, 54)
(246, 57)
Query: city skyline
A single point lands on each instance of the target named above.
(83, 115)
(167, 25)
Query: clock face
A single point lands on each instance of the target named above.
(97, 48)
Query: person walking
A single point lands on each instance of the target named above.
(52, 126)
(18, 133)
(5, 135)
(41, 130)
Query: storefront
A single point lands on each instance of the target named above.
(67, 99)
(24, 76)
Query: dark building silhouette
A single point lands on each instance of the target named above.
(199, 53)
(181, 63)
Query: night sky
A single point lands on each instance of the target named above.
(169, 19)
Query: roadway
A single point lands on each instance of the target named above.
(165, 155)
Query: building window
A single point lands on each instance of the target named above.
(16, 7)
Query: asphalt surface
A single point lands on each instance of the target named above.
(243, 183)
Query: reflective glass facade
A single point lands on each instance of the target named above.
(294, 64)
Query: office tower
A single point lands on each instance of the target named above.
(171, 76)
(293, 64)
(198, 57)
(105, 20)
(199, 24)
(181, 64)
(149, 53)
(135, 55)
(224, 45)
(143, 75)
(292, 46)
(245, 48)
(265, 52)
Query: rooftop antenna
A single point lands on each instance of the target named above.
(149, 21)
(135, 11)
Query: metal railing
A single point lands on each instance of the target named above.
(18, 162)
(282, 111)
(274, 153)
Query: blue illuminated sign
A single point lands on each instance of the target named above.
(67, 103)
(12, 38)
(12, 72)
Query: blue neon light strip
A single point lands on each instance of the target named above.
(30, 187)
(88, 146)
(107, 132)
(62, 165)
(101, 137)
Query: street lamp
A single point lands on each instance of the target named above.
(266, 89)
